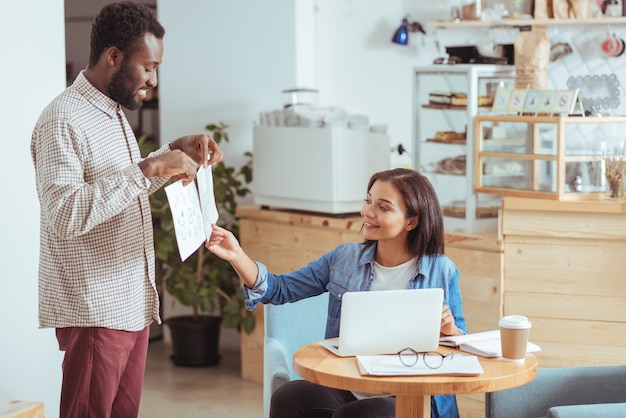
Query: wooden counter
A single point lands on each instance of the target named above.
(565, 265)
(582, 206)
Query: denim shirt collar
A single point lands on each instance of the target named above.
(425, 264)
(367, 257)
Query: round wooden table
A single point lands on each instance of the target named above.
(316, 364)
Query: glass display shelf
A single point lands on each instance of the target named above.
(551, 157)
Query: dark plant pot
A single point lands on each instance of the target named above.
(195, 342)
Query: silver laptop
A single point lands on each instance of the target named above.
(388, 321)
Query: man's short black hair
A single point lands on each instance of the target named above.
(120, 24)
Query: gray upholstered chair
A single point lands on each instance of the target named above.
(287, 328)
(570, 392)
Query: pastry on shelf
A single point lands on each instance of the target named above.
(448, 98)
(439, 97)
(485, 101)
(486, 208)
(449, 137)
(503, 168)
(452, 165)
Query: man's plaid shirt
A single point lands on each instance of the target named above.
(96, 264)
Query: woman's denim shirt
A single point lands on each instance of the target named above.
(349, 268)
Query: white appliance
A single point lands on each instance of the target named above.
(316, 169)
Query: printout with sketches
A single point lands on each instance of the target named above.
(390, 365)
(193, 211)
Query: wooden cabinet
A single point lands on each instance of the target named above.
(549, 157)
(564, 269)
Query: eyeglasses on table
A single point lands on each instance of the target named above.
(431, 359)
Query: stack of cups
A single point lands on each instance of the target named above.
(358, 122)
(514, 330)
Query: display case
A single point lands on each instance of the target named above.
(549, 157)
(446, 98)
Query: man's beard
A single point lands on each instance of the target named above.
(120, 92)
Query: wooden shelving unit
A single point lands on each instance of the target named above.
(464, 24)
(464, 210)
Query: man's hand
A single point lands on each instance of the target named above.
(202, 148)
(174, 164)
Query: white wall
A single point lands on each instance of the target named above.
(223, 61)
(32, 73)
(360, 69)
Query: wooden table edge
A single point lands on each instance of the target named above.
(517, 375)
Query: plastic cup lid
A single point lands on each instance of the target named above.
(514, 321)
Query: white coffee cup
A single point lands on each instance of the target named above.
(514, 331)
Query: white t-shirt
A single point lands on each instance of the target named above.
(396, 277)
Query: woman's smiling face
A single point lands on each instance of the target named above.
(384, 213)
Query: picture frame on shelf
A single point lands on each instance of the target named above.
(546, 102)
(535, 102)
(564, 101)
(518, 98)
(531, 103)
(501, 100)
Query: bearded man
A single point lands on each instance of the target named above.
(96, 268)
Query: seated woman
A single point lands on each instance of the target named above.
(403, 249)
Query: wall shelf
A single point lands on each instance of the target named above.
(525, 22)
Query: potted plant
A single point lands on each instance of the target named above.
(204, 282)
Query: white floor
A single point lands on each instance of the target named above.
(184, 392)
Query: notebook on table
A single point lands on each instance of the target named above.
(388, 321)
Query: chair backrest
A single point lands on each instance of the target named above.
(296, 324)
(559, 387)
(287, 328)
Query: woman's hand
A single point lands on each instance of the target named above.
(223, 244)
(448, 326)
